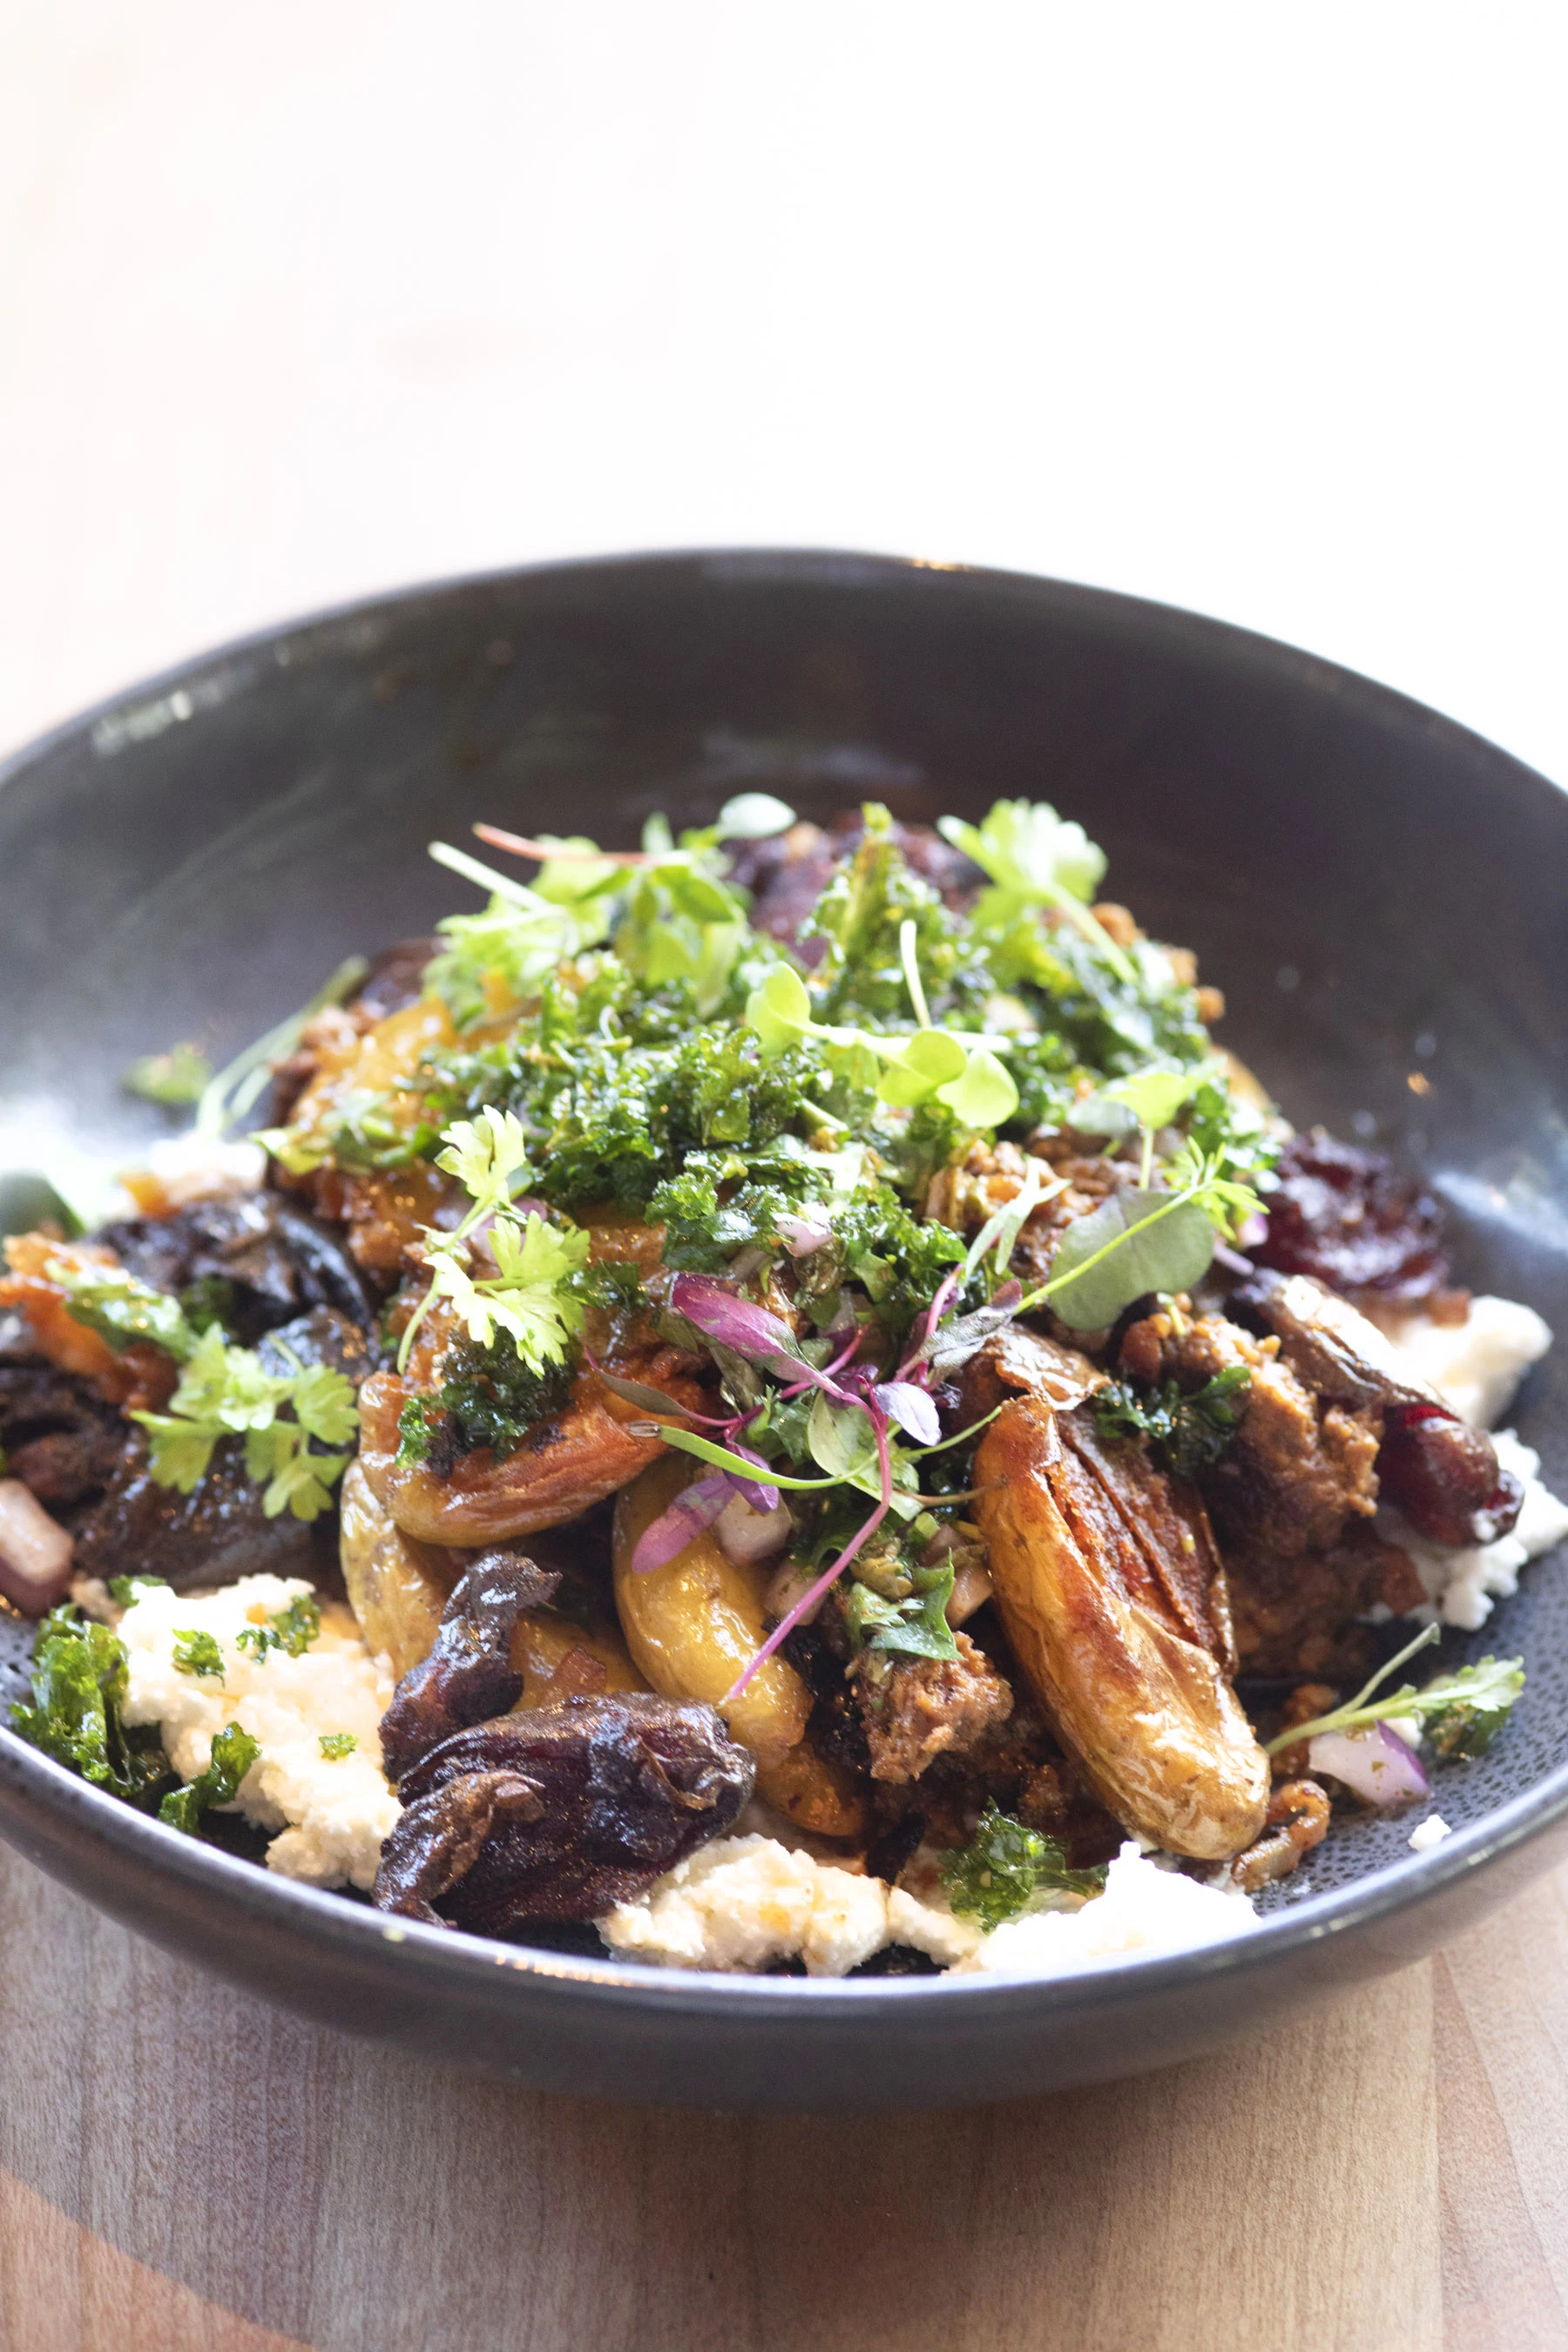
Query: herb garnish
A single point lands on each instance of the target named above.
(198, 1652)
(1008, 1869)
(1462, 1712)
(335, 1745)
(234, 1752)
(1187, 1431)
(79, 1679)
(291, 1630)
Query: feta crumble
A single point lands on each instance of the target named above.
(743, 1902)
(330, 1812)
(1478, 1363)
(1429, 1833)
(1146, 1907)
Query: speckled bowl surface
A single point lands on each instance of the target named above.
(1355, 871)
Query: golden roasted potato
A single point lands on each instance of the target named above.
(397, 1588)
(1114, 1601)
(557, 1657)
(692, 1625)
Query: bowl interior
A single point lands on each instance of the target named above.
(1377, 892)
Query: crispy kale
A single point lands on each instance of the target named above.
(1186, 1432)
(490, 1396)
(79, 1676)
(233, 1754)
(1006, 1869)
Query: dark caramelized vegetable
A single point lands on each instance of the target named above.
(560, 1813)
(469, 1674)
(1444, 1475)
(1345, 1217)
(255, 1258)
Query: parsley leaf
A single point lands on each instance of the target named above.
(227, 1391)
(1006, 1869)
(335, 1745)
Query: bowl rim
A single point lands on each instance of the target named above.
(321, 1916)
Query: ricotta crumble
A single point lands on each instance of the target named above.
(743, 1903)
(330, 1811)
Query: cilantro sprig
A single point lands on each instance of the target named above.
(1462, 1713)
(526, 1296)
(227, 1392)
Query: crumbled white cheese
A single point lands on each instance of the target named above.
(1145, 1908)
(1478, 1363)
(332, 1811)
(1429, 1833)
(744, 1901)
(1460, 1584)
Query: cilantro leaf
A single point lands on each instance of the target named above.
(1463, 1711)
(234, 1752)
(526, 1296)
(120, 1308)
(1008, 1869)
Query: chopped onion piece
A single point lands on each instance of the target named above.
(1375, 1763)
(745, 1535)
(35, 1551)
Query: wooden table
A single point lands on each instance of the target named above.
(187, 2170)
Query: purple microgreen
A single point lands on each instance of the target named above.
(694, 1509)
(645, 1399)
(815, 1593)
(737, 1323)
(955, 1342)
(760, 1493)
(911, 1408)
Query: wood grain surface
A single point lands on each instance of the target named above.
(183, 2166)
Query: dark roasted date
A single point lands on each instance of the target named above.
(558, 1813)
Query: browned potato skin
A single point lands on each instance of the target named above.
(569, 1464)
(1113, 1599)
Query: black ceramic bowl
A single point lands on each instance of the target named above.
(1353, 870)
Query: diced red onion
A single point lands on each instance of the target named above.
(793, 1579)
(746, 1535)
(1254, 1231)
(911, 1408)
(800, 1235)
(693, 1511)
(35, 1551)
(1376, 1762)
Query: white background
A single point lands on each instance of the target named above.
(1252, 308)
